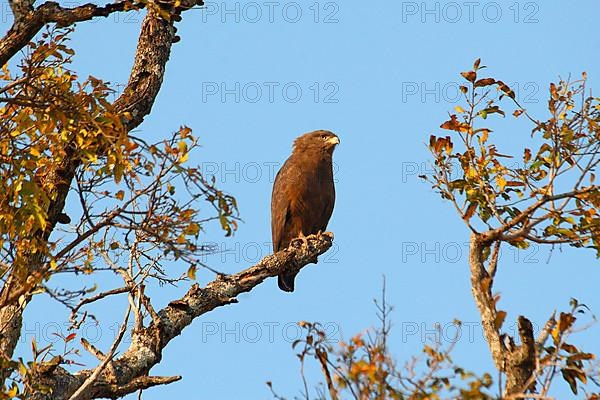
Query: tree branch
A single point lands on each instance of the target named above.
(153, 51)
(128, 372)
(29, 22)
(526, 214)
(481, 285)
(107, 359)
(20, 8)
(517, 362)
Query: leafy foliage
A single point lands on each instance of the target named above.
(138, 201)
(48, 118)
(363, 368)
(549, 196)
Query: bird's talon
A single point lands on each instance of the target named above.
(327, 234)
(302, 240)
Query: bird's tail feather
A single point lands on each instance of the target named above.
(286, 282)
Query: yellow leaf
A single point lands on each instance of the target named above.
(14, 390)
(501, 182)
(459, 109)
(22, 368)
(182, 146)
(191, 273)
(120, 194)
(118, 172)
(484, 135)
(471, 173)
(192, 229)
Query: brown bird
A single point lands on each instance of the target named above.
(303, 194)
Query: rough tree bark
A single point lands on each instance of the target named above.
(516, 361)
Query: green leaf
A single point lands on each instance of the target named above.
(520, 244)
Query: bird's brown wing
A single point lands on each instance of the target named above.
(287, 211)
(281, 206)
(328, 201)
(301, 204)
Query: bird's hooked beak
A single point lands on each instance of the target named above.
(333, 141)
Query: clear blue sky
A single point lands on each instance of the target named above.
(250, 77)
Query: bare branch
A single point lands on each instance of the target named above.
(29, 22)
(108, 358)
(141, 383)
(95, 298)
(545, 332)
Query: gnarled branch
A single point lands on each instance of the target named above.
(28, 22)
(516, 361)
(129, 371)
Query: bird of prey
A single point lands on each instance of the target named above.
(303, 194)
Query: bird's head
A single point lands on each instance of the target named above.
(322, 141)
